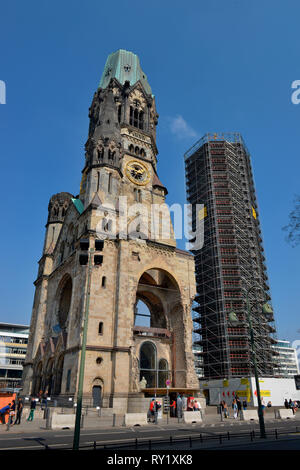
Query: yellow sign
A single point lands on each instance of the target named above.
(265, 393)
(253, 212)
(225, 383)
(202, 213)
(244, 382)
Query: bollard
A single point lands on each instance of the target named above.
(228, 436)
(114, 419)
(149, 444)
(190, 439)
(48, 419)
(82, 421)
(201, 439)
(99, 412)
(155, 417)
(276, 434)
(220, 438)
(136, 443)
(171, 441)
(251, 436)
(95, 445)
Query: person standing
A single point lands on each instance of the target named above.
(239, 405)
(235, 409)
(179, 406)
(173, 408)
(12, 412)
(32, 409)
(152, 410)
(225, 408)
(19, 411)
(244, 405)
(286, 404)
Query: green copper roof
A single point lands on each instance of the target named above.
(124, 65)
(78, 204)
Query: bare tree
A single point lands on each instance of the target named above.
(293, 228)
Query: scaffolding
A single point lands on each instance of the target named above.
(219, 175)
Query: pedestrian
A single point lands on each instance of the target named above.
(152, 410)
(244, 404)
(179, 406)
(263, 406)
(173, 408)
(286, 403)
(235, 409)
(196, 406)
(32, 409)
(225, 407)
(4, 411)
(269, 404)
(19, 411)
(12, 412)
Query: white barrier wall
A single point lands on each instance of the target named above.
(272, 389)
(59, 421)
(133, 419)
(284, 413)
(192, 417)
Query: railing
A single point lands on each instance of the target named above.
(146, 331)
(218, 438)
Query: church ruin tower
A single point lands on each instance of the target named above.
(105, 257)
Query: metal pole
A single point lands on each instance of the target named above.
(82, 359)
(260, 410)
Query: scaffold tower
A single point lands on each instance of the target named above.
(219, 176)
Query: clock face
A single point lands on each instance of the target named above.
(137, 172)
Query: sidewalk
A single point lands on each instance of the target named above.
(93, 421)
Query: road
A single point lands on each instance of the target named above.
(54, 439)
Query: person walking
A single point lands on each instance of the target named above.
(235, 409)
(4, 411)
(32, 409)
(152, 410)
(225, 408)
(173, 409)
(12, 412)
(244, 404)
(19, 411)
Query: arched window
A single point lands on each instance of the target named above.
(65, 302)
(136, 117)
(163, 372)
(148, 364)
(137, 150)
(142, 315)
(141, 120)
(155, 373)
(131, 148)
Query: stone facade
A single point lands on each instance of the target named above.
(79, 275)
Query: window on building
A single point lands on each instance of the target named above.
(100, 328)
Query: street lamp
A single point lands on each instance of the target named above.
(234, 320)
(82, 357)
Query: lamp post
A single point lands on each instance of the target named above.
(76, 438)
(233, 319)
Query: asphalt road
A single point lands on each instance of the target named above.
(122, 438)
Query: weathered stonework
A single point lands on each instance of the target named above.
(152, 270)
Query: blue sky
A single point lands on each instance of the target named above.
(213, 66)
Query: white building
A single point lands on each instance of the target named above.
(13, 347)
(287, 361)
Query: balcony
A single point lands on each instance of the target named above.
(152, 332)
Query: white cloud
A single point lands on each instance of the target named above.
(181, 128)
